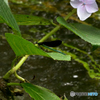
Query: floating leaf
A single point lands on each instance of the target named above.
(39, 93)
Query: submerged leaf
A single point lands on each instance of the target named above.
(31, 20)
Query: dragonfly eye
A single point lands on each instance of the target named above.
(54, 43)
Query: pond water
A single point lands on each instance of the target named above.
(61, 77)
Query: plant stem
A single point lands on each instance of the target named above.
(14, 84)
(19, 77)
(70, 14)
(49, 34)
(14, 69)
(57, 27)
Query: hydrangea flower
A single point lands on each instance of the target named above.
(84, 8)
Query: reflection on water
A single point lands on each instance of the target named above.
(61, 77)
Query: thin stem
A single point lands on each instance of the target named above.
(14, 69)
(14, 84)
(65, 44)
(19, 77)
(70, 14)
(49, 34)
(57, 27)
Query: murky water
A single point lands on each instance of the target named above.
(61, 77)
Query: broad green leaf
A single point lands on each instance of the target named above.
(31, 20)
(86, 32)
(23, 47)
(39, 93)
(7, 16)
(59, 56)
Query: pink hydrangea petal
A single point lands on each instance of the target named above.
(82, 13)
(92, 7)
(75, 3)
(88, 1)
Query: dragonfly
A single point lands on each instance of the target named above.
(50, 44)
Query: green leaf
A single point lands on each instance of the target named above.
(23, 47)
(39, 93)
(86, 32)
(7, 16)
(59, 56)
(31, 20)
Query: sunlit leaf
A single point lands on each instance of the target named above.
(39, 93)
(7, 16)
(86, 32)
(59, 56)
(23, 47)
